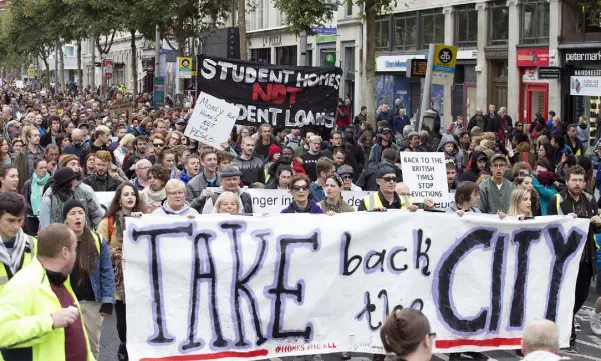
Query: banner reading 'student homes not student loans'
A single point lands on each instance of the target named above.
(280, 95)
(250, 287)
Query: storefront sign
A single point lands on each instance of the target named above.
(530, 75)
(233, 43)
(587, 72)
(323, 30)
(585, 85)
(272, 41)
(393, 63)
(467, 54)
(532, 57)
(417, 68)
(580, 55)
(549, 73)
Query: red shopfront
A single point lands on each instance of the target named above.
(534, 92)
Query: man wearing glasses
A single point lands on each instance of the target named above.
(495, 191)
(387, 197)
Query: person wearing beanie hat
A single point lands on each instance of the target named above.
(65, 186)
(272, 156)
(68, 158)
(92, 278)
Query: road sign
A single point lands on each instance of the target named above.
(184, 68)
(31, 73)
(443, 66)
(107, 65)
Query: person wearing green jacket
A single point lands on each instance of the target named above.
(41, 318)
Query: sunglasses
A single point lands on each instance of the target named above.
(300, 188)
(389, 179)
(158, 145)
(346, 177)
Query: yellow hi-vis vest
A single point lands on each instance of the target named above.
(30, 252)
(373, 201)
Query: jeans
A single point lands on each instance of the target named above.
(583, 283)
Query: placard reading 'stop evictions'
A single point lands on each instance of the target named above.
(426, 175)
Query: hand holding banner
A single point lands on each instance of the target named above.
(212, 120)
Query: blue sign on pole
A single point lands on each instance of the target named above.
(324, 31)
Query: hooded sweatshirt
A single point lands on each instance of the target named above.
(185, 211)
(455, 156)
(473, 172)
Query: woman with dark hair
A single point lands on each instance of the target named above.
(89, 165)
(301, 191)
(547, 152)
(9, 179)
(126, 203)
(5, 156)
(282, 177)
(33, 190)
(167, 160)
(333, 203)
(406, 334)
(92, 278)
(467, 196)
(154, 195)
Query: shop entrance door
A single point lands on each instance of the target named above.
(537, 99)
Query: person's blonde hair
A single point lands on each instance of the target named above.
(517, 195)
(489, 136)
(477, 140)
(126, 139)
(488, 144)
(174, 185)
(227, 196)
(476, 131)
(543, 139)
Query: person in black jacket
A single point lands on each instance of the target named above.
(493, 120)
(367, 179)
(478, 163)
(574, 200)
(102, 180)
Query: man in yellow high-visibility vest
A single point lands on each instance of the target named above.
(16, 248)
(386, 197)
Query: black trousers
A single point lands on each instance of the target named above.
(583, 284)
(121, 325)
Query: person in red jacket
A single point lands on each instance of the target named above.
(343, 116)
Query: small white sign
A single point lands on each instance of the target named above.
(585, 85)
(212, 120)
(426, 175)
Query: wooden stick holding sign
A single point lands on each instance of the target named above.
(212, 120)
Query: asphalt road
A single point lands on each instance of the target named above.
(589, 345)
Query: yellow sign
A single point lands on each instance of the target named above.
(31, 73)
(445, 56)
(185, 68)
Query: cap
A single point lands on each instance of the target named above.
(345, 169)
(230, 171)
(181, 121)
(67, 158)
(63, 176)
(70, 204)
(385, 170)
(498, 156)
(413, 134)
(385, 130)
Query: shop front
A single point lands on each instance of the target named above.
(392, 82)
(464, 88)
(533, 89)
(582, 86)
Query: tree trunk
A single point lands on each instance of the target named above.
(370, 61)
(62, 66)
(47, 85)
(79, 69)
(57, 45)
(93, 78)
(134, 61)
(242, 29)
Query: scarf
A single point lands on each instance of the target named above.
(119, 223)
(13, 261)
(296, 209)
(156, 196)
(37, 190)
(332, 207)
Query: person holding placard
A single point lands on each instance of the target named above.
(176, 200)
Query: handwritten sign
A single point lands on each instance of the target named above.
(225, 287)
(426, 175)
(212, 120)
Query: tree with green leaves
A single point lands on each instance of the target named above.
(303, 14)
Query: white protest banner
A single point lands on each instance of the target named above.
(225, 287)
(212, 120)
(426, 175)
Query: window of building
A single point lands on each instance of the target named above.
(69, 51)
(261, 10)
(349, 59)
(405, 31)
(466, 26)
(285, 55)
(262, 56)
(432, 23)
(534, 21)
(383, 34)
(349, 8)
(498, 14)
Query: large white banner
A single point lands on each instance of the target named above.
(221, 286)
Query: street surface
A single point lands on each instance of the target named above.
(589, 345)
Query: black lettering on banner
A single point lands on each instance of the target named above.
(369, 308)
(380, 258)
(240, 284)
(161, 334)
(279, 288)
(346, 262)
(497, 283)
(419, 254)
(476, 237)
(563, 251)
(524, 239)
(209, 276)
(391, 256)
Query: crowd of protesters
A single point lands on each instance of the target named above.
(57, 151)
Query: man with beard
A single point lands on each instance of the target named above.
(25, 159)
(139, 152)
(495, 191)
(574, 200)
(64, 188)
(101, 180)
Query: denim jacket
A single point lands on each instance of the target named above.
(103, 278)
